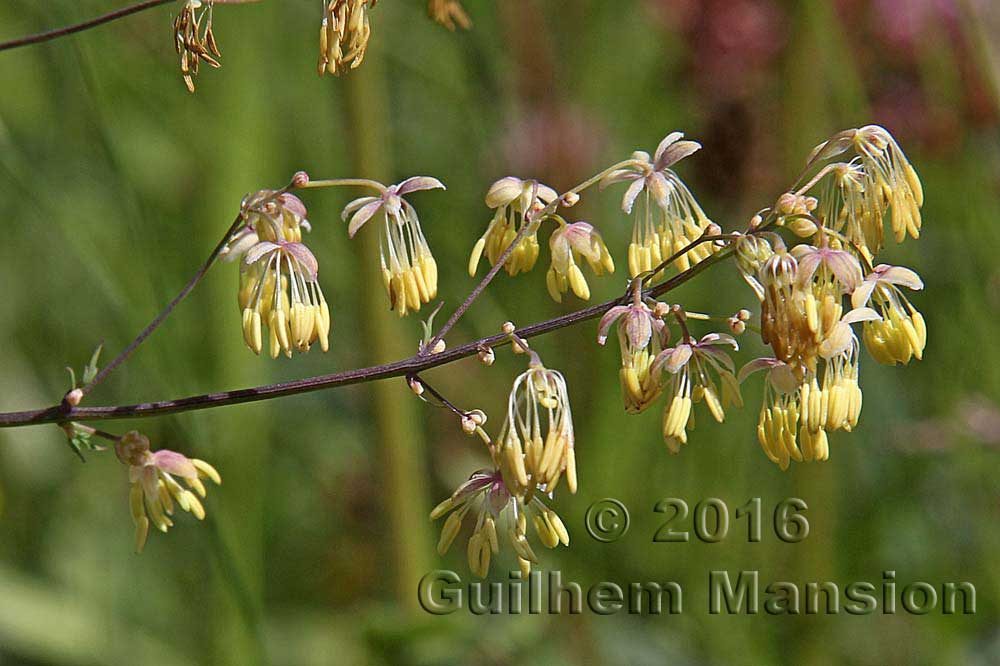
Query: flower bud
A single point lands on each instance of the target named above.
(786, 203)
(300, 179)
(487, 356)
(74, 397)
(416, 386)
(570, 199)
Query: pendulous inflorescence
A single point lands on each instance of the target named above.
(809, 261)
(532, 454)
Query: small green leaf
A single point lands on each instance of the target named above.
(91, 370)
(429, 324)
(78, 442)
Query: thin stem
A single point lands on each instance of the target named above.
(56, 33)
(80, 27)
(153, 325)
(437, 395)
(192, 283)
(704, 238)
(551, 208)
(341, 182)
(409, 366)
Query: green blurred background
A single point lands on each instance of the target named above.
(115, 182)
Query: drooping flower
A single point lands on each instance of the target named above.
(879, 180)
(641, 337)
(887, 170)
(568, 244)
(497, 510)
(803, 299)
(279, 288)
(409, 271)
(195, 40)
(690, 367)
(536, 442)
(155, 487)
(667, 217)
(516, 203)
(901, 333)
(801, 406)
(344, 35)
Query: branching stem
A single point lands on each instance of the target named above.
(408, 366)
(56, 33)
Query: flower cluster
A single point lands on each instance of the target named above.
(343, 35)
(521, 206)
(811, 294)
(409, 271)
(155, 487)
(667, 218)
(517, 204)
(279, 286)
(195, 40)
(860, 192)
(642, 335)
(534, 451)
(691, 372)
(811, 385)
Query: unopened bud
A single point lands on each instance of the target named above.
(478, 416)
(743, 315)
(468, 426)
(713, 229)
(660, 310)
(300, 179)
(811, 203)
(786, 203)
(486, 356)
(74, 397)
(416, 386)
(438, 347)
(802, 227)
(508, 328)
(736, 326)
(570, 199)
(756, 221)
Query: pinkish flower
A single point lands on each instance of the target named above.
(155, 487)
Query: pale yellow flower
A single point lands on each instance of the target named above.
(536, 442)
(667, 217)
(497, 511)
(279, 286)
(641, 337)
(516, 202)
(409, 271)
(690, 367)
(901, 333)
(568, 244)
(155, 489)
